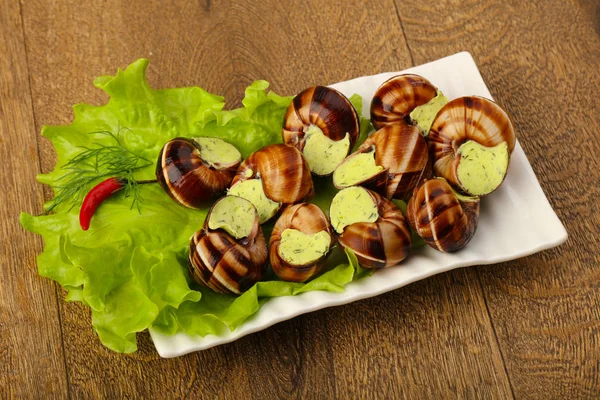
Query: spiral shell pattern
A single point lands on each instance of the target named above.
(284, 172)
(462, 119)
(382, 243)
(325, 108)
(186, 178)
(402, 151)
(397, 97)
(440, 218)
(224, 264)
(308, 219)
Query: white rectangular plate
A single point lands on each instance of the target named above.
(515, 221)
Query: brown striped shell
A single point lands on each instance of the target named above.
(462, 119)
(284, 173)
(382, 243)
(324, 107)
(444, 220)
(397, 97)
(308, 219)
(186, 178)
(402, 151)
(224, 264)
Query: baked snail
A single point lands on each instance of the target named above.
(390, 162)
(471, 140)
(191, 171)
(229, 253)
(273, 177)
(445, 219)
(323, 124)
(371, 226)
(406, 99)
(194, 171)
(300, 242)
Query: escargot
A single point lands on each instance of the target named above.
(407, 99)
(229, 253)
(300, 242)
(445, 219)
(371, 226)
(471, 140)
(324, 125)
(390, 162)
(194, 171)
(273, 177)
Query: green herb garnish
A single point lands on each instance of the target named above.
(93, 164)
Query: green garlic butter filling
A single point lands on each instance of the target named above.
(234, 215)
(214, 151)
(252, 190)
(351, 205)
(425, 114)
(323, 154)
(481, 169)
(298, 248)
(356, 169)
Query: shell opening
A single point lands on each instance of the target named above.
(424, 115)
(356, 169)
(233, 214)
(352, 205)
(322, 153)
(253, 191)
(481, 169)
(217, 152)
(299, 248)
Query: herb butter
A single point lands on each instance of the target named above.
(252, 190)
(351, 205)
(234, 215)
(356, 169)
(298, 248)
(322, 153)
(425, 114)
(481, 169)
(215, 151)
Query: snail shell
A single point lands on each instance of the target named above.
(397, 97)
(382, 243)
(225, 264)
(308, 219)
(445, 220)
(324, 107)
(284, 172)
(187, 178)
(465, 119)
(402, 152)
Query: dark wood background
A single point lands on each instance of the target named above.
(526, 329)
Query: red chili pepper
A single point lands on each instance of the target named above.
(95, 197)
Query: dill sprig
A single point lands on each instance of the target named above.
(94, 163)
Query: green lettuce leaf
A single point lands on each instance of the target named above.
(130, 268)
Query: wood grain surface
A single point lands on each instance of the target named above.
(527, 329)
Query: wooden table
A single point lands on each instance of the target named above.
(528, 328)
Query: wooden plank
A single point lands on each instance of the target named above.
(541, 62)
(31, 352)
(223, 46)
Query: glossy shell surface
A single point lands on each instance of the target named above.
(437, 215)
(186, 178)
(325, 108)
(397, 97)
(308, 219)
(463, 119)
(382, 243)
